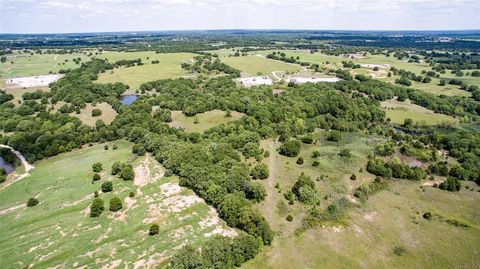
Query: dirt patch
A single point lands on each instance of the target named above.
(370, 216)
(35, 81)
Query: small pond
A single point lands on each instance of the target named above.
(7, 166)
(128, 99)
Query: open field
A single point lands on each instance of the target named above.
(206, 120)
(330, 61)
(169, 67)
(285, 172)
(59, 232)
(390, 219)
(38, 64)
(254, 65)
(108, 114)
(399, 111)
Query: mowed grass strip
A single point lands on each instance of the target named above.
(205, 120)
(168, 67)
(399, 111)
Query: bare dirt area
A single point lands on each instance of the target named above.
(35, 81)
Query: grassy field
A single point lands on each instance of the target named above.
(417, 68)
(59, 232)
(253, 65)
(285, 172)
(169, 67)
(206, 120)
(108, 114)
(399, 111)
(389, 219)
(38, 64)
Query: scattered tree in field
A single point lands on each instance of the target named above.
(260, 171)
(131, 194)
(345, 153)
(105, 147)
(126, 173)
(334, 136)
(32, 202)
(300, 160)
(97, 167)
(427, 215)
(289, 218)
(107, 186)
(116, 167)
(154, 229)
(290, 148)
(96, 112)
(115, 204)
(96, 208)
(96, 177)
(353, 177)
(304, 189)
(450, 184)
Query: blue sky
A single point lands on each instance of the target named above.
(60, 16)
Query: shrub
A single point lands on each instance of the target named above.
(290, 148)
(96, 177)
(96, 112)
(95, 194)
(115, 147)
(255, 191)
(427, 215)
(154, 229)
(116, 168)
(131, 194)
(289, 218)
(127, 172)
(399, 250)
(353, 177)
(260, 171)
(308, 139)
(96, 208)
(107, 186)
(300, 160)
(32, 202)
(115, 204)
(316, 154)
(334, 136)
(138, 149)
(105, 147)
(316, 163)
(345, 153)
(168, 173)
(2, 178)
(304, 189)
(450, 184)
(97, 167)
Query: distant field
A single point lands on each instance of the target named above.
(108, 114)
(37, 64)
(169, 67)
(59, 232)
(417, 68)
(206, 120)
(254, 65)
(399, 111)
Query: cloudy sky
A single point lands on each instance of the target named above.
(54, 16)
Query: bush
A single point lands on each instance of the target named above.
(304, 189)
(32, 202)
(427, 215)
(290, 148)
(107, 186)
(289, 218)
(300, 160)
(138, 149)
(97, 167)
(105, 147)
(96, 208)
(96, 112)
(2, 178)
(260, 171)
(316, 154)
(154, 229)
(316, 163)
(168, 173)
(95, 194)
(116, 168)
(334, 136)
(353, 177)
(115, 147)
(131, 194)
(96, 177)
(399, 250)
(255, 191)
(308, 139)
(126, 172)
(450, 184)
(345, 153)
(115, 204)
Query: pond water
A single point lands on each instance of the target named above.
(7, 166)
(128, 99)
